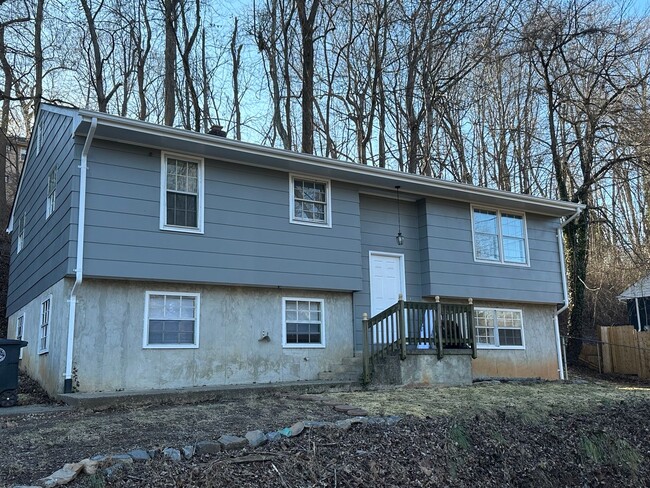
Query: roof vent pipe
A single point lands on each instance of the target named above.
(217, 130)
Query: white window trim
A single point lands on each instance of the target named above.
(45, 349)
(500, 261)
(284, 323)
(163, 193)
(328, 201)
(496, 346)
(145, 337)
(22, 336)
(20, 239)
(50, 204)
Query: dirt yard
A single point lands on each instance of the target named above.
(585, 433)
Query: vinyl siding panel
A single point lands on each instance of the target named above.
(452, 271)
(247, 240)
(44, 259)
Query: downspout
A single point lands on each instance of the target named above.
(638, 314)
(67, 384)
(565, 292)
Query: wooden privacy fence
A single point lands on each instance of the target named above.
(621, 350)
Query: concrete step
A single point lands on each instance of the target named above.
(345, 376)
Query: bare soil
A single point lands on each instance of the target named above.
(591, 433)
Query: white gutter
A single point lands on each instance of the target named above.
(565, 291)
(638, 314)
(81, 227)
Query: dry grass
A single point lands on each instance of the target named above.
(533, 402)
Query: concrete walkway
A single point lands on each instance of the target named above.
(200, 393)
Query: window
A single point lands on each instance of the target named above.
(303, 322)
(310, 201)
(44, 329)
(181, 194)
(499, 236)
(171, 320)
(502, 328)
(20, 331)
(23, 154)
(51, 193)
(20, 240)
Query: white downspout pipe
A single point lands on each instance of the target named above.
(67, 385)
(565, 292)
(638, 314)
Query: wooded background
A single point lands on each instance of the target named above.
(548, 98)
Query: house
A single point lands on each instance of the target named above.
(637, 299)
(146, 256)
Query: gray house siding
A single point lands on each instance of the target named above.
(247, 240)
(452, 271)
(43, 260)
(378, 231)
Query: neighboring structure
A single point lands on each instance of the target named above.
(16, 152)
(145, 256)
(637, 298)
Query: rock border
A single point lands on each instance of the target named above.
(112, 464)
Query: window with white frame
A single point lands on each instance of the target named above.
(20, 240)
(303, 322)
(499, 328)
(499, 236)
(181, 193)
(171, 320)
(44, 328)
(20, 332)
(51, 193)
(310, 201)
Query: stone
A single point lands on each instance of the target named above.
(188, 452)
(100, 458)
(357, 412)
(273, 436)
(392, 420)
(62, 476)
(153, 453)
(296, 429)
(230, 442)
(330, 402)
(255, 438)
(139, 455)
(89, 466)
(317, 424)
(286, 432)
(171, 453)
(343, 424)
(207, 447)
(121, 458)
(112, 471)
(343, 407)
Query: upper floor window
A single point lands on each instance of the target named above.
(310, 201)
(44, 329)
(171, 320)
(51, 193)
(497, 327)
(499, 236)
(181, 194)
(20, 240)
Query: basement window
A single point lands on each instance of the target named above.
(499, 328)
(303, 322)
(171, 320)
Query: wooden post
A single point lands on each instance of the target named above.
(439, 327)
(366, 349)
(471, 331)
(401, 325)
(606, 350)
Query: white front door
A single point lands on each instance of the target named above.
(386, 280)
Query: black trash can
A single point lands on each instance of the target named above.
(9, 354)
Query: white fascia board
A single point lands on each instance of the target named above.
(387, 178)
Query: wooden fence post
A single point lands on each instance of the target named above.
(471, 331)
(439, 327)
(401, 325)
(366, 349)
(606, 350)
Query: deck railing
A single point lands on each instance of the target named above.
(414, 327)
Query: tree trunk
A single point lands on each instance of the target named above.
(170, 60)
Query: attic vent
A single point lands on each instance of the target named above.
(217, 130)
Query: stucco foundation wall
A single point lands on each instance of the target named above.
(537, 360)
(110, 326)
(48, 369)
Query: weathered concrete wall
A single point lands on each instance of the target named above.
(424, 369)
(48, 369)
(537, 360)
(110, 326)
